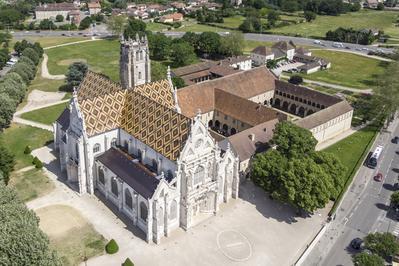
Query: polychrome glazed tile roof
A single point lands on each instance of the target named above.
(152, 121)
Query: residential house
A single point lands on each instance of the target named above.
(94, 7)
(50, 11)
(170, 18)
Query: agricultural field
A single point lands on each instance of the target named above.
(383, 20)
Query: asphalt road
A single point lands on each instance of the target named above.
(102, 32)
(364, 209)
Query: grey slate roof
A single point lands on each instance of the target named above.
(135, 175)
(63, 119)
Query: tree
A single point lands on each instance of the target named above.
(159, 45)
(380, 6)
(182, 54)
(209, 43)
(395, 199)
(24, 70)
(232, 44)
(76, 73)
(6, 163)
(85, 23)
(47, 24)
(158, 70)
(134, 27)
(128, 262)
(309, 15)
(365, 259)
(293, 141)
(382, 244)
(386, 93)
(21, 240)
(295, 79)
(295, 173)
(273, 17)
(14, 88)
(7, 109)
(178, 82)
(116, 24)
(31, 54)
(59, 18)
(271, 64)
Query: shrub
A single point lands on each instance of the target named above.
(59, 18)
(27, 150)
(111, 247)
(295, 80)
(38, 164)
(128, 262)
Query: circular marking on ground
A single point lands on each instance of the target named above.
(67, 62)
(234, 245)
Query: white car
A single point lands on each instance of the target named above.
(317, 42)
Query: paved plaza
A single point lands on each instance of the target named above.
(252, 230)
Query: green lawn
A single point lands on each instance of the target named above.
(31, 184)
(50, 41)
(352, 152)
(193, 26)
(45, 115)
(232, 22)
(101, 56)
(17, 137)
(153, 26)
(363, 19)
(348, 69)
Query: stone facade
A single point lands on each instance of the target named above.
(101, 149)
(135, 65)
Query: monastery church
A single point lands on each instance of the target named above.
(130, 142)
(169, 158)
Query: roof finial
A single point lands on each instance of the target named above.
(168, 75)
(137, 37)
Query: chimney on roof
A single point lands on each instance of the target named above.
(251, 136)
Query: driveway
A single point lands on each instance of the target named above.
(252, 230)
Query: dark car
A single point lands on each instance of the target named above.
(395, 140)
(357, 243)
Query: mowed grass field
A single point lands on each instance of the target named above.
(383, 20)
(45, 115)
(70, 234)
(50, 41)
(348, 69)
(101, 56)
(31, 184)
(17, 137)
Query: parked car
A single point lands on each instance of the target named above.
(378, 177)
(347, 47)
(317, 42)
(395, 140)
(357, 243)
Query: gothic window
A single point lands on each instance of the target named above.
(128, 199)
(77, 150)
(169, 175)
(139, 75)
(114, 187)
(96, 148)
(141, 55)
(143, 211)
(199, 175)
(137, 56)
(173, 210)
(155, 165)
(113, 142)
(101, 175)
(139, 155)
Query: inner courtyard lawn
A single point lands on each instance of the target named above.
(348, 69)
(17, 137)
(31, 184)
(45, 115)
(101, 56)
(383, 20)
(70, 234)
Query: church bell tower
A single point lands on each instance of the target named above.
(134, 63)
